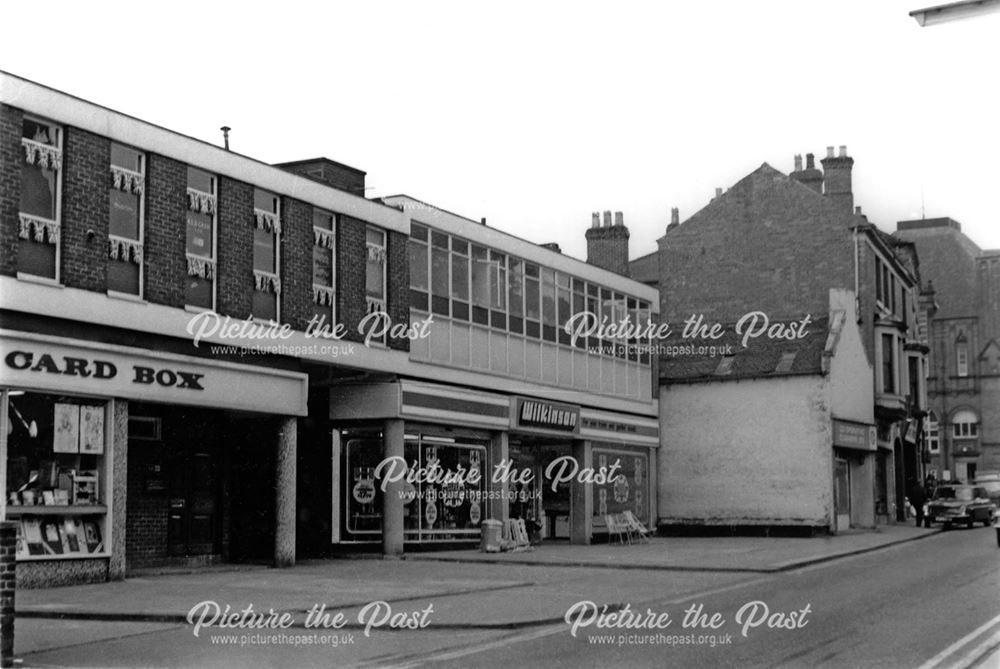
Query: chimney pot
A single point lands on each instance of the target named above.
(718, 192)
(607, 219)
(675, 216)
(482, 220)
(798, 162)
(595, 219)
(843, 151)
(829, 152)
(857, 210)
(619, 218)
(810, 161)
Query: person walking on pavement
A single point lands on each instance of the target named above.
(918, 497)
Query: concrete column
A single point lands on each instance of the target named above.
(119, 488)
(284, 493)
(581, 498)
(392, 503)
(499, 509)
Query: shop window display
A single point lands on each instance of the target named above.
(56, 474)
(435, 511)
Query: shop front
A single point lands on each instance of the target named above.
(855, 472)
(112, 454)
(442, 459)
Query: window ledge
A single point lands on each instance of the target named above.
(192, 309)
(127, 297)
(44, 280)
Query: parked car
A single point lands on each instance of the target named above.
(963, 504)
(992, 484)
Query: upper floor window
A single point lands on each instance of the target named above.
(266, 255)
(885, 285)
(419, 267)
(324, 267)
(888, 354)
(38, 252)
(125, 220)
(375, 269)
(200, 239)
(965, 425)
(962, 356)
(933, 438)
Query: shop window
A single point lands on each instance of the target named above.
(933, 439)
(375, 273)
(481, 271)
(965, 425)
(419, 267)
(200, 235)
(125, 221)
(56, 485)
(440, 279)
(324, 274)
(515, 297)
(564, 310)
(629, 491)
(498, 290)
(266, 255)
(459, 279)
(433, 511)
(38, 252)
(532, 305)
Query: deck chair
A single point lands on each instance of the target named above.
(637, 528)
(618, 526)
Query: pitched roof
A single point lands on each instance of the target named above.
(761, 358)
(947, 258)
(645, 269)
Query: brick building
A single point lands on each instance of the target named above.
(963, 384)
(206, 358)
(778, 244)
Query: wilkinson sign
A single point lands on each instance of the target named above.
(533, 413)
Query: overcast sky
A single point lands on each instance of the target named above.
(533, 115)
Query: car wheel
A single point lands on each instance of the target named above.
(969, 524)
(927, 522)
(947, 526)
(986, 522)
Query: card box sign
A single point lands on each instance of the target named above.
(85, 367)
(853, 435)
(547, 415)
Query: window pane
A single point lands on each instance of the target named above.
(265, 200)
(263, 250)
(459, 277)
(198, 292)
(38, 191)
(480, 277)
(548, 297)
(265, 305)
(418, 265)
(124, 218)
(516, 293)
(374, 280)
(322, 219)
(38, 259)
(439, 272)
(123, 276)
(199, 234)
(531, 305)
(123, 156)
(376, 237)
(322, 266)
(202, 181)
(418, 232)
(498, 281)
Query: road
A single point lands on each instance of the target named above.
(911, 605)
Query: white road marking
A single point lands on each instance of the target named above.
(550, 630)
(953, 648)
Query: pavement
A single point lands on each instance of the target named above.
(350, 584)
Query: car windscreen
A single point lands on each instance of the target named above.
(962, 494)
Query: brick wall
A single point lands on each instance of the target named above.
(768, 244)
(85, 207)
(166, 207)
(11, 158)
(296, 263)
(351, 254)
(235, 254)
(398, 285)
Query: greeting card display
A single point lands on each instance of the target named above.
(91, 429)
(66, 437)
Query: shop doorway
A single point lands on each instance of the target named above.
(546, 510)
(842, 493)
(193, 487)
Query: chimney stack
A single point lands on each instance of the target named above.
(607, 245)
(837, 179)
(810, 176)
(675, 218)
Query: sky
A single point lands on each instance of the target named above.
(533, 115)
